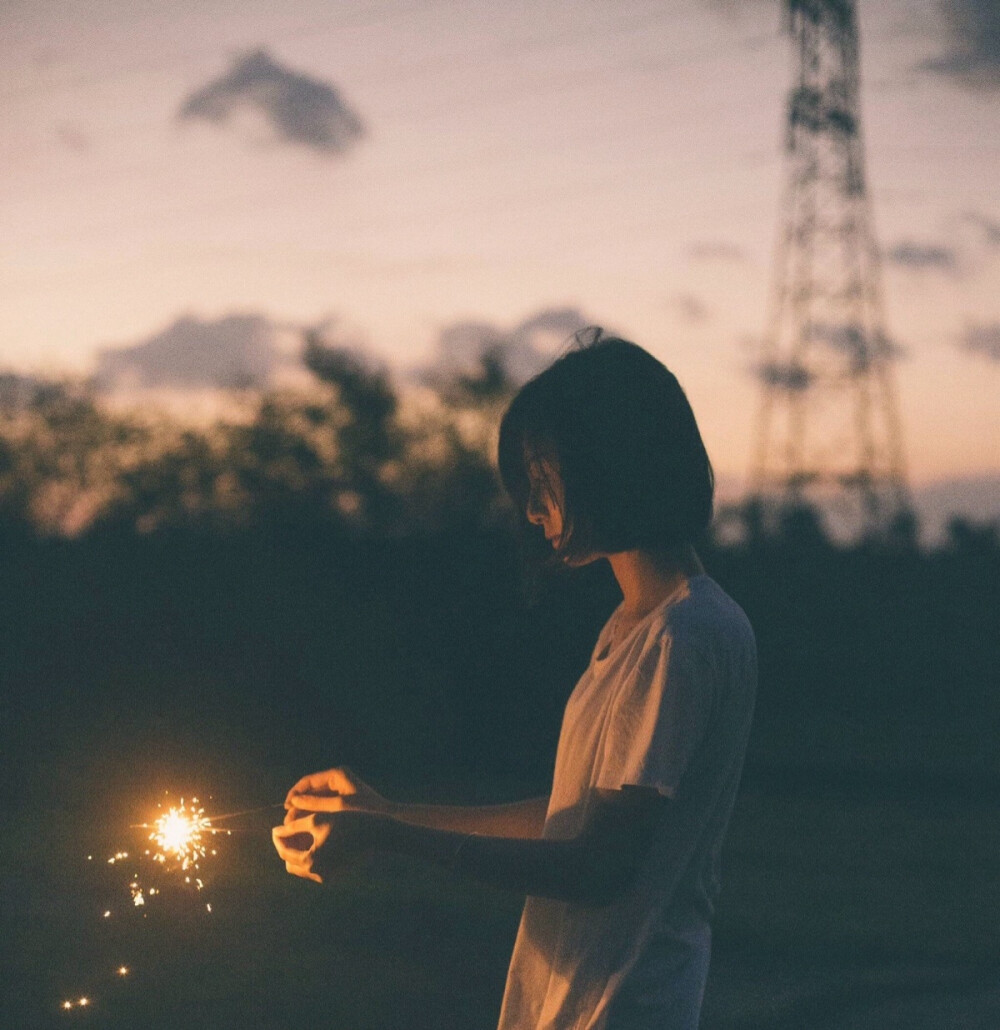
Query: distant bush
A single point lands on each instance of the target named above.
(346, 453)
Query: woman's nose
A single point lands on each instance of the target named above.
(535, 510)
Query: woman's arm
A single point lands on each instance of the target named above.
(595, 867)
(520, 819)
(341, 790)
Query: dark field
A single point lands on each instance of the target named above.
(831, 908)
(862, 883)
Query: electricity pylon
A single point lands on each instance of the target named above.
(828, 433)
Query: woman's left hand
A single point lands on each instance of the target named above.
(316, 844)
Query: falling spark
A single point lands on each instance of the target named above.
(179, 841)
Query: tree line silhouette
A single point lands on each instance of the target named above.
(337, 578)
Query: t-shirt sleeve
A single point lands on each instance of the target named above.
(659, 720)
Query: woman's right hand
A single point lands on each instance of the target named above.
(334, 790)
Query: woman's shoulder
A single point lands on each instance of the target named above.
(706, 620)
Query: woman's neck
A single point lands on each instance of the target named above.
(648, 579)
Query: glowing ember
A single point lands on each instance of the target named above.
(179, 840)
(179, 834)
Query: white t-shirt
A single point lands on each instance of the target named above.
(668, 707)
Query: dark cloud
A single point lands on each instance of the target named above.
(716, 250)
(785, 375)
(848, 340)
(972, 54)
(236, 352)
(983, 339)
(523, 350)
(989, 226)
(72, 137)
(302, 110)
(690, 307)
(851, 341)
(909, 254)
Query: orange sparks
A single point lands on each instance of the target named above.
(179, 834)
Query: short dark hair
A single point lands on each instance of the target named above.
(635, 471)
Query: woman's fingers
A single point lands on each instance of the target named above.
(296, 851)
(308, 784)
(303, 871)
(299, 844)
(291, 845)
(330, 781)
(314, 781)
(316, 843)
(316, 802)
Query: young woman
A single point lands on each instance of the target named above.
(621, 861)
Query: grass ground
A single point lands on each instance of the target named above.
(832, 906)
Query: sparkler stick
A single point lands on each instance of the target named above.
(248, 811)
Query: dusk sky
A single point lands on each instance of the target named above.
(405, 166)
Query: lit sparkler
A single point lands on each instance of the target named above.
(181, 838)
(180, 833)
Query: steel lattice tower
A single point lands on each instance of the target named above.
(828, 432)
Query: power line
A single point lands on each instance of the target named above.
(520, 199)
(549, 86)
(411, 72)
(193, 55)
(563, 82)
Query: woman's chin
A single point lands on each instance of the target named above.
(577, 561)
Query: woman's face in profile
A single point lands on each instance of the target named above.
(545, 497)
